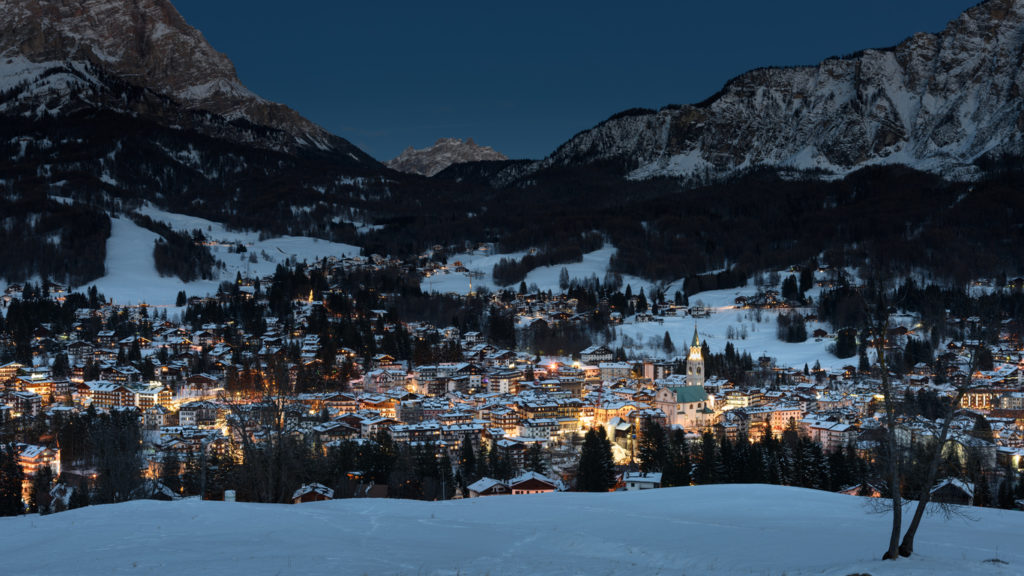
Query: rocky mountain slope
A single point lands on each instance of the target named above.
(442, 154)
(105, 104)
(936, 102)
(49, 48)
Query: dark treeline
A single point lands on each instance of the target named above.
(34, 308)
(946, 312)
(177, 253)
(41, 237)
(793, 460)
(511, 271)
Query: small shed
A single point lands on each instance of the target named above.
(641, 480)
(953, 491)
(532, 483)
(487, 487)
(314, 492)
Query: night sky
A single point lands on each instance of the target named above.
(526, 76)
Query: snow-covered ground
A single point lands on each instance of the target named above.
(544, 278)
(730, 529)
(759, 338)
(132, 278)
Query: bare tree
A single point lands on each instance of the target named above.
(271, 461)
(878, 326)
(906, 548)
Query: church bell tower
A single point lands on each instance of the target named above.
(695, 362)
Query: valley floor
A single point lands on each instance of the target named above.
(725, 529)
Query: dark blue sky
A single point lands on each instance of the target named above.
(525, 76)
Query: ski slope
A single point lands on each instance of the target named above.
(594, 264)
(727, 529)
(131, 276)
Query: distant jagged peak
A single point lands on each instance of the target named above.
(442, 154)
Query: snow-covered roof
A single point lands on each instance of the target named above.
(484, 484)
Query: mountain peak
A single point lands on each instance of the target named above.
(442, 154)
(937, 102)
(146, 43)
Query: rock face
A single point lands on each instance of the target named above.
(442, 154)
(145, 43)
(937, 102)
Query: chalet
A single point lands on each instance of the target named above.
(504, 381)
(150, 395)
(24, 403)
(32, 458)
(532, 483)
(36, 383)
(488, 487)
(733, 424)
(314, 492)
(81, 351)
(9, 371)
(382, 361)
(953, 491)
(379, 380)
(202, 382)
(611, 371)
(540, 428)
(121, 374)
(641, 480)
(155, 417)
(831, 435)
(107, 394)
(334, 430)
(197, 414)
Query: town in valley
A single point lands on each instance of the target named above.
(341, 378)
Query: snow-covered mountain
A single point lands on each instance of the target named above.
(937, 102)
(725, 529)
(55, 55)
(442, 154)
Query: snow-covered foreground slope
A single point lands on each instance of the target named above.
(731, 529)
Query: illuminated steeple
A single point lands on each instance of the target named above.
(695, 362)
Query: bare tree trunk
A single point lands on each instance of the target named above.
(907, 546)
(894, 457)
(880, 329)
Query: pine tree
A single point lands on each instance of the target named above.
(708, 465)
(39, 496)
(667, 345)
(1005, 494)
(653, 452)
(447, 477)
(79, 496)
(170, 470)
(595, 471)
(563, 279)
(534, 459)
(11, 478)
(682, 473)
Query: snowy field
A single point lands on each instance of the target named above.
(132, 278)
(644, 339)
(731, 529)
(545, 278)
